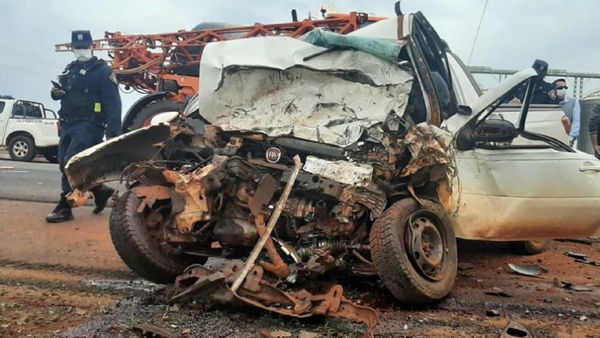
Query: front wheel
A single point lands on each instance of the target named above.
(414, 252)
(139, 247)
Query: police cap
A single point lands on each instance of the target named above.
(81, 39)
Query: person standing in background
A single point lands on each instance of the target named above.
(90, 107)
(570, 106)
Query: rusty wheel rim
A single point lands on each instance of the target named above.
(425, 244)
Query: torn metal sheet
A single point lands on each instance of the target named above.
(107, 160)
(588, 261)
(194, 192)
(330, 98)
(428, 147)
(576, 255)
(581, 258)
(532, 270)
(341, 171)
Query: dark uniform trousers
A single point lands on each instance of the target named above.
(75, 137)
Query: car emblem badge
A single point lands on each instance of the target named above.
(273, 155)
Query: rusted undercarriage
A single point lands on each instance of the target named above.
(293, 220)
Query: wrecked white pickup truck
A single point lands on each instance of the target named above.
(299, 161)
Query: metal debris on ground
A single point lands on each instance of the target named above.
(514, 329)
(576, 255)
(308, 334)
(204, 284)
(274, 334)
(116, 284)
(586, 241)
(492, 313)
(465, 266)
(497, 292)
(568, 285)
(582, 258)
(531, 270)
(588, 261)
(151, 330)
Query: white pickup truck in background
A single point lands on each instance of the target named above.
(28, 129)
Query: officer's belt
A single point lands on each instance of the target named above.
(73, 119)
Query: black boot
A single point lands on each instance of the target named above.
(101, 196)
(61, 213)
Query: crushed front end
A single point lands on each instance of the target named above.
(284, 167)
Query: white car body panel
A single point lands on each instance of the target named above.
(519, 194)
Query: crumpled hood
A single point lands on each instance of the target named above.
(284, 86)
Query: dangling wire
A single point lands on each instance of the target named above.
(477, 33)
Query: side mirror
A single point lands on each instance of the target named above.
(464, 110)
(494, 130)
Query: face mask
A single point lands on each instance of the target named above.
(82, 55)
(561, 93)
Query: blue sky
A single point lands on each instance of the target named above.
(513, 33)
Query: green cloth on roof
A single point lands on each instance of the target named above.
(385, 49)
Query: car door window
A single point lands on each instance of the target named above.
(433, 51)
(33, 112)
(540, 127)
(465, 87)
(18, 110)
(27, 110)
(2, 105)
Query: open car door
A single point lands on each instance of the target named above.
(511, 190)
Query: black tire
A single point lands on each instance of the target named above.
(51, 155)
(136, 247)
(399, 271)
(21, 148)
(532, 247)
(143, 117)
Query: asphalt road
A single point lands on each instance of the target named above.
(29, 181)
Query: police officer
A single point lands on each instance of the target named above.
(90, 106)
(543, 93)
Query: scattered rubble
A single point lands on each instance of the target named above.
(568, 285)
(498, 292)
(492, 313)
(151, 330)
(274, 334)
